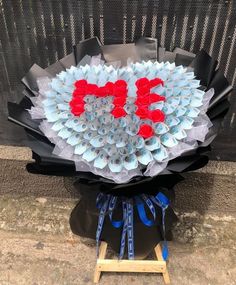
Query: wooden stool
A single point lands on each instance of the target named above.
(111, 265)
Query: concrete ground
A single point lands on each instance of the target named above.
(37, 247)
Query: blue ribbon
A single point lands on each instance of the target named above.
(102, 204)
(107, 203)
(127, 230)
(162, 201)
(112, 204)
(142, 212)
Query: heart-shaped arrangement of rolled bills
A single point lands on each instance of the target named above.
(126, 121)
(123, 127)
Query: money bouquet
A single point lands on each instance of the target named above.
(125, 120)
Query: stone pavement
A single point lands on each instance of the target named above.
(37, 247)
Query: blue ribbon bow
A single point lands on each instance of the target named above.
(107, 203)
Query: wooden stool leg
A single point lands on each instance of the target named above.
(102, 255)
(110, 265)
(158, 252)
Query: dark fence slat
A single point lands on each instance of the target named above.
(113, 16)
(41, 42)
(67, 25)
(48, 26)
(86, 18)
(160, 15)
(231, 29)
(181, 13)
(130, 14)
(149, 19)
(58, 29)
(202, 16)
(28, 18)
(211, 24)
(76, 10)
(223, 13)
(139, 20)
(7, 67)
(9, 20)
(170, 22)
(13, 43)
(96, 16)
(20, 35)
(191, 31)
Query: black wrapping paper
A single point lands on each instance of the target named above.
(30, 79)
(120, 53)
(19, 115)
(91, 47)
(147, 48)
